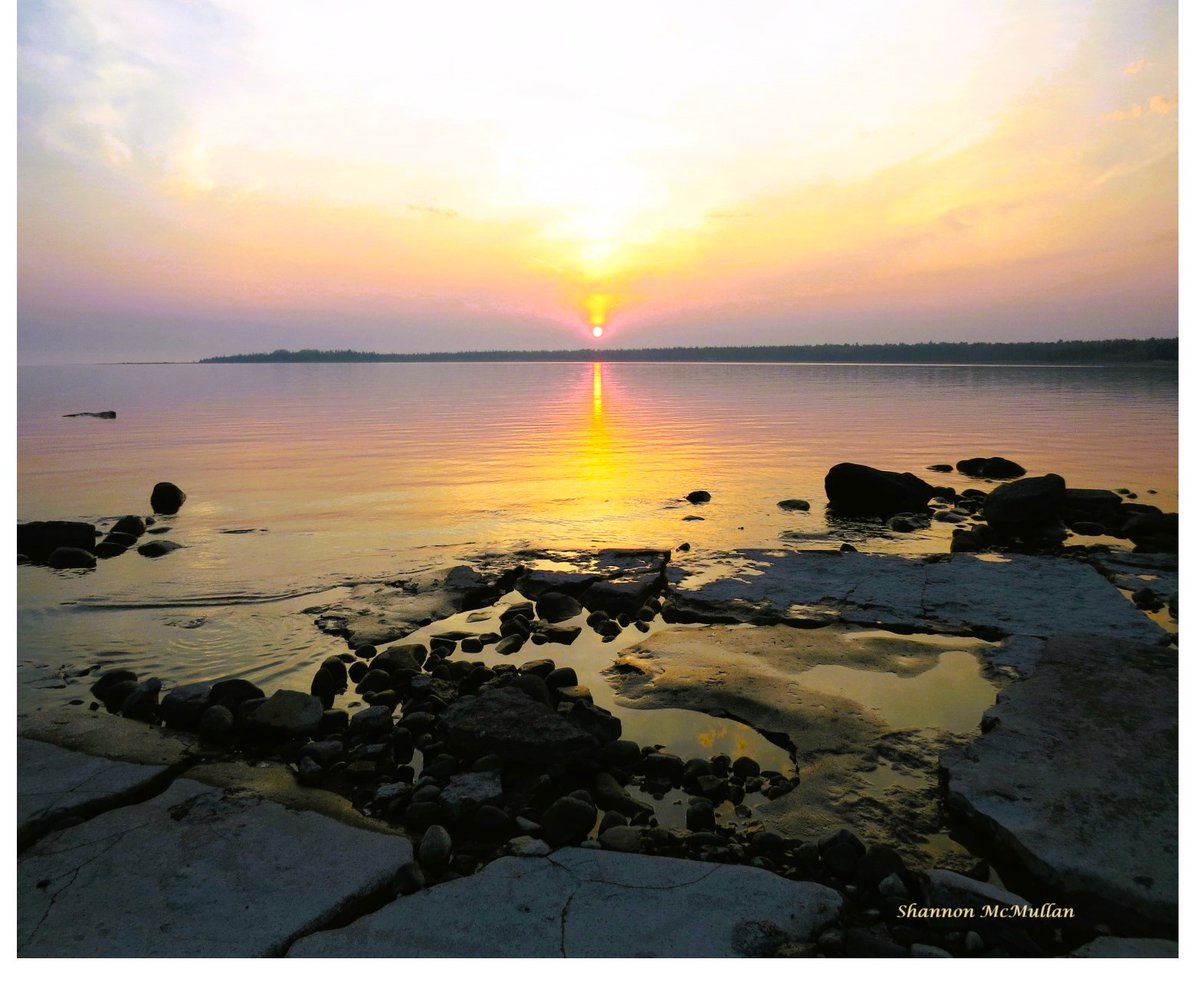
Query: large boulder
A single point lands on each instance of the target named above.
(166, 498)
(1091, 504)
(993, 467)
(287, 714)
(510, 724)
(1028, 504)
(623, 595)
(68, 557)
(856, 489)
(555, 607)
(38, 540)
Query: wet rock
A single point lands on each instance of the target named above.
(67, 557)
(555, 607)
(376, 680)
(102, 414)
(623, 595)
(464, 793)
(129, 525)
(621, 753)
(907, 523)
(862, 943)
(970, 540)
(698, 497)
(508, 723)
(1031, 503)
(409, 880)
(107, 549)
(217, 724)
(183, 706)
(1090, 504)
(325, 687)
(600, 723)
(233, 692)
(622, 838)
(166, 498)
(940, 468)
(142, 702)
(324, 752)
(745, 767)
(435, 849)
(38, 540)
(919, 950)
(841, 852)
(860, 490)
(700, 816)
(491, 822)
(288, 713)
(157, 548)
(793, 504)
(997, 468)
(510, 645)
(109, 679)
(568, 820)
(666, 766)
(309, 772)
(401, 657)
(561, 678)
(540, 667)
(373, 722)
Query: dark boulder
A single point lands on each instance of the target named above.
(110, 678)
(142, 702)
(856, 489)
(183, 706)
(217, 724)
(1091, 505)
(600, 723)
(993, 467)
(102, 414)
(68, 557)
(166, 498)
(287, 714)
(129, 525)
(555, 607)
(108, 549)
(38, 539)
(1028, 504)
(157, 548)
(231, 693)
(568, 820)
(508, 723)
(623, 595)
(407, 657)
(698, 497)
(115, 695)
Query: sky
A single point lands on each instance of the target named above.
(205, 177)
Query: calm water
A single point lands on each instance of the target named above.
(353, 472)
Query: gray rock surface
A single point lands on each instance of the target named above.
(195, 872)
(1109, 947)
(1025, 595)
(54, 783)
(586, 904)
(1077, 777)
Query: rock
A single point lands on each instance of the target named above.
(1024, 505)
(840, 852)
(623, 595)
(745, 767)
(68, 557)
(555, 607)
(233, 692)
(109, 679)
(157, 548)
(918, 950)
(142, 702)
(621, 753)
(700, 816)
(38, 540)
(183, 706)
(491, 822)
(217, 724)
(464, 793)
(622, 838)
(793, 504)
(990, 467)
(288, 713)
(325, 687)
(435, 849)
(409, 880)
(107, 549)
(588, 904)
(940, 468)
(102, 414)
(506, 722)
(860, 490)
(309, 772)
(970, 540)
(663, 765)
(561, 678)
(510, 644)
(527, 847)
(166, 498)
(1103, 821)
(861, 943)
(1110, 947)
(698, 497)
(600, 723)
(1091, 504)
(324, 752)
(373, 722)
(401, 657)
(129, 525)
(568, 820)
(906, 523)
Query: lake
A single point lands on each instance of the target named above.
(302, 478)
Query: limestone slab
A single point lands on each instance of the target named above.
(53, 783)
(1077, 776)
(195, 872)
(588, 904)
(1018, 595)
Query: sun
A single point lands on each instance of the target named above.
(597, 331)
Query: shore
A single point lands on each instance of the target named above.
(455, 766)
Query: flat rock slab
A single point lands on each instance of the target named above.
(1019, 595)
(99, 733)
(585, 903)
(1078, 776)
(195, 872)
(53, 783)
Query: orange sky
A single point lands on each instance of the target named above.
(225, 176)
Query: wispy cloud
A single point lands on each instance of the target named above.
(1134, 67)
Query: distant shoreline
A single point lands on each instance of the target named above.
(1050, 353)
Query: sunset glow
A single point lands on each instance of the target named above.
(399, 177)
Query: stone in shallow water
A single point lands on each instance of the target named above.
(515, 727)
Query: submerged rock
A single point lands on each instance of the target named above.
(102, 414)
(990, 467)
(157, 548)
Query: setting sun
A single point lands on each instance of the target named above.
(597, 331)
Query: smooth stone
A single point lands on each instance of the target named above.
(157, 548)
(793, 504)
(568, 820)
(1112, 947)
(166, 498)
(191, 863)
(585, 903)
(288, 713)
(622, 838)
(38, 540)
(990, 467)
(555, 607)
(435, 849)
(68, 557)
(856, 489)
(182, 707)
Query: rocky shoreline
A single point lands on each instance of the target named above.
(482, 752)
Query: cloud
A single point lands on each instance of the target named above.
(1134, 67)
(1162, 105)
(1159, 105)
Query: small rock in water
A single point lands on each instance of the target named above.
(102, 414)
(793, 504)
(698, 497)
(68, 557)
(555, 607)
(166, 498)
(157, 548)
